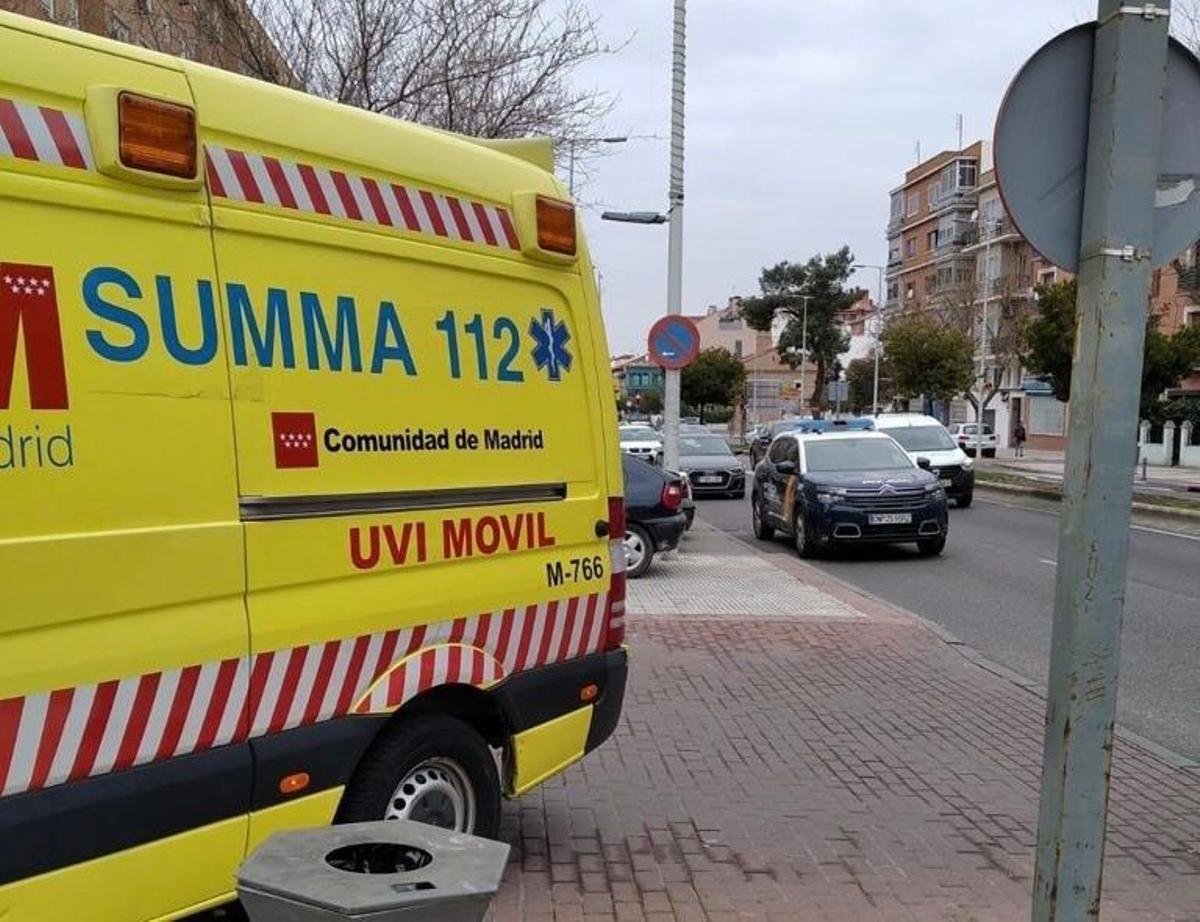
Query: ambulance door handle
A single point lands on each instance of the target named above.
(601, 528)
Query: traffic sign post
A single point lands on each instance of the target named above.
(1107, 207)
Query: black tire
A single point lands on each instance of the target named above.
(931, 547)
(763, 530)
(409, 743)
(634, 571)
(805, 545)
(965, 500)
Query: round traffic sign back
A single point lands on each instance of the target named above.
(1041, 149)
(674, 342)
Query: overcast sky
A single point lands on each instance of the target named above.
(801, 115)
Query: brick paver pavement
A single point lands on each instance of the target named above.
(825, 768)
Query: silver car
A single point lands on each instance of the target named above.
(710, 465)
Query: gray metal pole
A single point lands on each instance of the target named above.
(1118, 212)
(983, 342)
(675, 241)
(803, 356)
(878, 324)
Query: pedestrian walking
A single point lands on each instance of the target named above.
(1019, 439)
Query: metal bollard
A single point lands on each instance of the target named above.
(388, 871)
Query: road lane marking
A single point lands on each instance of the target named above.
(1154, 531)
(1049, 563)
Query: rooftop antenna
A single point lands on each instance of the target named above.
(918, 146)
(958, 119)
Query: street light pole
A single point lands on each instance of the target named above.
(803, 354)
(988, 229)
(675, 241)
(878, 321)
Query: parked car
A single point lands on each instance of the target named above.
(924, 437)
(964, 435)
(830, 489)
(711, 467)
(641, 441)
(688, 505)
(654, 519)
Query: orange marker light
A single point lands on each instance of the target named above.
(294, 784)
(156, 136)
(556, 225)
(589, 692)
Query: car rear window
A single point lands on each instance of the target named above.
(854, 455)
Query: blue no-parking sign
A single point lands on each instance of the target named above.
(674, 342)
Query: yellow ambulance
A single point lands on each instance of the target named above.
(310, 501)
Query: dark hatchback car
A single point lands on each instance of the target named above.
(654, 520)
(835, 489)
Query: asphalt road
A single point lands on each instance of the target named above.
(993, 588)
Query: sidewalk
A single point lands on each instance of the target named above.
(792, 750)
(1048, 465)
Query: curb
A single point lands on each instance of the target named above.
(1052, 493)
(821, 580)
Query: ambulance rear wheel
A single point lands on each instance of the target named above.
(430, 769)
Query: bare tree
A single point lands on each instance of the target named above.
(960, 306)
(488, 68)
(1185, 22)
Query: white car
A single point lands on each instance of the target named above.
(925, 437)
(642, 442)
(965, 435)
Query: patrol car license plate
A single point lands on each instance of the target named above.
(889, 518)
(709, 478)
(947, 481)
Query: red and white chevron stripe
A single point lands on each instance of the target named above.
(44, 134)
(245, 176)
(64, 735)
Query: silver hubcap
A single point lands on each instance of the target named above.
(799, 532)
(635, 550)
(436, 792)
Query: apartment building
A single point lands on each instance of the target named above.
(930, 222)
(724, 327)
(1005, 272)
(222, 33)
(1175, 302)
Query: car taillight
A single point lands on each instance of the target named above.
(614, 609)
(672, 495)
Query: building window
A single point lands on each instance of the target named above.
(966, 174)
(914, 200)
(910, 246)
(894, 252)
(893, 290)
(47, 8)
(1193, 318)
(145, 7)
(931, 283)
(1046, 277)
(737, 348)
(931, 240)
(910, 291)
(897, 206)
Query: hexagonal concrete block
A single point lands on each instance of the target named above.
(388, 871)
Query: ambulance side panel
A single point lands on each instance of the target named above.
(121, 552)
(374, 301)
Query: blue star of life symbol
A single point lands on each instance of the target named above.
(550, 338)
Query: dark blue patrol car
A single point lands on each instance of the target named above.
(826, 489)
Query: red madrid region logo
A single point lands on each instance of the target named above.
(295, 439)
(29, 313)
